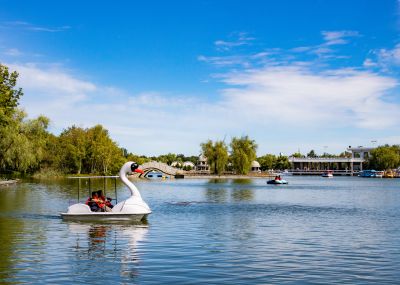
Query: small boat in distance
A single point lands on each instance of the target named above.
(371, 174)
(389, 174)
(277, 181)
(133, 209)
(328, 174)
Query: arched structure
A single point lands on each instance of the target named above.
(255, 166)
(159, 166)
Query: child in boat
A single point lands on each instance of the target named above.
(105, 202)
(92, 202)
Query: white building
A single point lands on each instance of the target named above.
(344, 165)
(255, 166)
(202, 164)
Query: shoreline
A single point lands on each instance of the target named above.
(8, 182)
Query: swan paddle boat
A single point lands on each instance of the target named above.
(133, 209)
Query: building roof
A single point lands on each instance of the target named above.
(255, 164)
(324, 159)
(176, 163)
(360, 149)
(188, 163)
(202, 157)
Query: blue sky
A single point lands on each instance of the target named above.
(164, 76)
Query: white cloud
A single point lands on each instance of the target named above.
(297, 97)
(51, 91)
(224, 61)
(389, 57)
(238, 39)
(338, 37)
(326, 50)
(31, 27)
(369, 63)
(51, 81)
(13, 52)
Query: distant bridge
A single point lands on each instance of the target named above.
(160, 167)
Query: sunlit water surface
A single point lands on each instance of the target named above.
(344, 230)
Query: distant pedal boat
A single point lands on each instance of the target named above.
(328, 174)
(277, 182)
(132, 209)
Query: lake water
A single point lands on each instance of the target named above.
(344, 230)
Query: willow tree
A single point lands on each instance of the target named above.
(22, 141)
(217, 155)
(243, 153)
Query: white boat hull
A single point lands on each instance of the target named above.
(133, 209)
(103, 216)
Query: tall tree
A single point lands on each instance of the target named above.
(243, 153)
(103, 152)
(74, 143)
(9, 95)
(217, 155)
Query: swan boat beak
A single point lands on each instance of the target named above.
(139, 170)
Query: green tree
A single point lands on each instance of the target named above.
(138, 159)
(311, 154)
(103, 153)
(345, 154)
(217, 155)
(297, 155)
(23, 143)
(243, 153)
(385, 157)
(9, 95)
(267, 161)
(282, 162)
(74, 144)
(167, 158)
(328, 155)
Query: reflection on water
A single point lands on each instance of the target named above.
(243, 181)
(216, 195)
(242, 195)
(105, 243)
(217, 181)
(342, 231)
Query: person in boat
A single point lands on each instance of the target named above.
(104, 202)
(92, 202)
